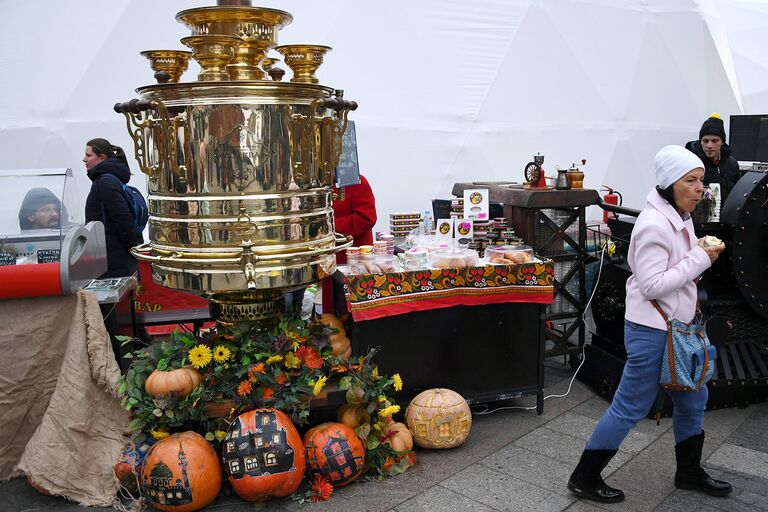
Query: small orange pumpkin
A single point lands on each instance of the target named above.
(181, 473)
(399, 437)
(335, 452)
(341, 345)
(180, 381)
(339, 340)
(352, 415)
(333, 321)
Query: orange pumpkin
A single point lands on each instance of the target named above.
(399, 437)
(335, 452)
(341, 345)
(181, 473)
(180, 381)
(333, 321)
(438, 418)
(352, 415)
(263, 455)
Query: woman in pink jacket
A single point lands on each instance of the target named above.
(666, 259)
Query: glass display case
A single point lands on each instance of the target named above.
(45, 248)
(37, 208)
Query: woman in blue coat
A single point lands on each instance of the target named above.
(108, 170)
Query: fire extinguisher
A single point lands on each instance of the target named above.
(612, 197)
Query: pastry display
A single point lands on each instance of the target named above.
(509, 254)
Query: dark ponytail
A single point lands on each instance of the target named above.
(103, 147)
(668, 194)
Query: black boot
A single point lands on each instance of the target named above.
(586, 482)
(690, 475)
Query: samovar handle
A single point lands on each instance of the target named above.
(138, 121)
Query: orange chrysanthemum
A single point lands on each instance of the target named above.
(280, 379)
(411, 456)
(310, 357)
(339, 368)
(257, 368)
(388, 463)
(268, 393)
(244, 388)
(322, 490)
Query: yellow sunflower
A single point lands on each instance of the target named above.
(200, 356)
(398, 382)
(158, 434)
(221, 353)
(389, 411)
(319, 385)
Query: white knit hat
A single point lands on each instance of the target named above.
(674, 162)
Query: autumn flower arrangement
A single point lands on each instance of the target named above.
(283, 368)
(372, 392)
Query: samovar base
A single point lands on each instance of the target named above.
(235, 311)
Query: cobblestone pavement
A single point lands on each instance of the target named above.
(516, 460)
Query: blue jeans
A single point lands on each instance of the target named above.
(638, 389)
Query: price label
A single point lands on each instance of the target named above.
(6, 259)
(48, 255)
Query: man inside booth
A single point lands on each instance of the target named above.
(40, 209)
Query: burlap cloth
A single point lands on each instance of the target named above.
(62, 424)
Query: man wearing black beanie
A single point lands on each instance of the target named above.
(719, 166)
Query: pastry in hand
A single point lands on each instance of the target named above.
(712, 241)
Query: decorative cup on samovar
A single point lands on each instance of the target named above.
(173, 62)
(213, 52)
(304, 60)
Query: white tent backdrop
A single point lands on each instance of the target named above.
(448, 90)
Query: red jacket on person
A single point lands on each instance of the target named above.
(355, 215)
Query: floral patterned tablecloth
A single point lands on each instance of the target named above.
(371, 296)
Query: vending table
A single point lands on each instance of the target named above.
(476, 330)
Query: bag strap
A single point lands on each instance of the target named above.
(661, 311)
(670, 343)
(706, 358)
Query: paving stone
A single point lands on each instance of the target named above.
(720, 424)
(743, 460)
(17, 495)
(374, 496)
(503, 492)
(683, 501)
(440, 499)
(595, 407)
(752, 433)
(531, 467)
(488, 434)
(582, 427)
(564, 447)
(584, 506)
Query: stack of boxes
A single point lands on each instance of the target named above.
(402, 223)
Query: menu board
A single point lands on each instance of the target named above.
(348, 169)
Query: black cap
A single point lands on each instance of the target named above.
(713, 126)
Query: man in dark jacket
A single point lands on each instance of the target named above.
(719, 166)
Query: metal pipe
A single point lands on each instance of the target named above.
(616, 208)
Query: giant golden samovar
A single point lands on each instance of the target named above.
(239, 163)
